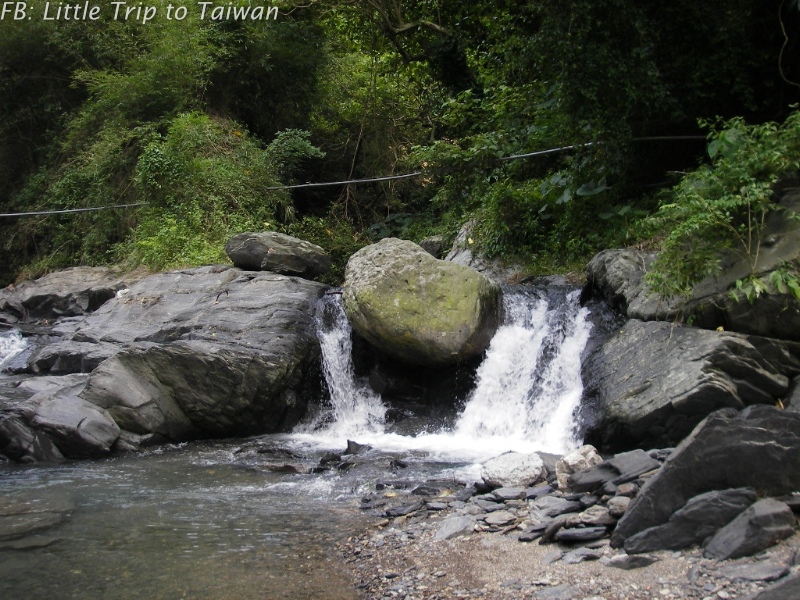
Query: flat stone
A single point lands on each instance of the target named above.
(557, 592)
(510, 493)
(579, 555)
(747, 570)
(597, 515)
(31, 542)
(628, 562)
(580, 534)
(455, 526)
(538, 491)
(551, 506)
(16, 526)
(620, 469)
(500, 518)
(404, 509)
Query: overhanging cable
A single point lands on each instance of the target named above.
(365, 180)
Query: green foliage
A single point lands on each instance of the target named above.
(290, 149)
(724, 206)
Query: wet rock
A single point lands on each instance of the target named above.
(654, 382)
(404, 509)
(757, 447)
(418, 309)
(62, 358)
(762, 525)
(454, 526)
(513, 469)
(356, 448)
(78, 428)
(694, 522)
(578, 460)
(279, 253)
(15, 526)
(23, 443)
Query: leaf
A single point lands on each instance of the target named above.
(592, 188)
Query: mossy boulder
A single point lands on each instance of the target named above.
(416, 308)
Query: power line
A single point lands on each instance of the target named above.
(69, 210)
(367, 179)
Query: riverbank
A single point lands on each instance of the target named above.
(401, 559)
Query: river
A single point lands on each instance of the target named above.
(213, 519)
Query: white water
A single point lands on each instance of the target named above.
(527, 390)
(11, 344)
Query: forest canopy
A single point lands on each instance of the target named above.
(194, 124)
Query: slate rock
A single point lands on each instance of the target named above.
(510, 493)
(404, 509)
(279, 253)
(455, 526)
(580, 534)
(500, 518)
(621, 468)
(747, 570)
(629, 562)
(758, 447)
(785, 589)
(699, 518)
(762, 525)
(552, 506)
(579, 555)
(653, 382)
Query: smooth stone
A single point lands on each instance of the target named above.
(454, 526)
(510, 493)
(745, 570)
(628, 562)
(513, 469)
(579, 555)
(618, 505)
(16, 526)
(580, 534)
(500, 518)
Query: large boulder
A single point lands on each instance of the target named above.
(619, 276)
(513, 470)
(416, 308)
(212, 351)
(279, 253)
(760, 526)
(71, 292)
(652, 382)
(758, 447)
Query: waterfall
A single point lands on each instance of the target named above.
(354, 408)
(528, 386)
(11, 344)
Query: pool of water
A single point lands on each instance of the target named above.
(198, 521)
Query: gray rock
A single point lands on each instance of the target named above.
(277, 252)
(454, 526)
(23, 443)
(786, 589)
(15, 526)
(552, 506)
(500, 518)
(418, 309)
(622, 468)
(618, 505)
(71, 292)
(627, 562)
(653, 382)
(78, 428)
(433, 245)
(463, 252)
(694, 522)
(597, 515)
(404, 509)
(580, 534)
(746, 570)
(513, 470)
(757, 447)
(510, 493)
(573, 557)
(578, 460)
(618, 275)
(62, 358)
(762, 525)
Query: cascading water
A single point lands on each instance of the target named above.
(11, 344)
(527, 390)
(354, 410)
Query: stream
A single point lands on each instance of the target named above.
(234, 519)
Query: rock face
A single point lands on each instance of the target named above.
(618, 275)
(653, 382)
(418, 309)
(279, 253)
(212, 351)
(758, 447)
(71, 292)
